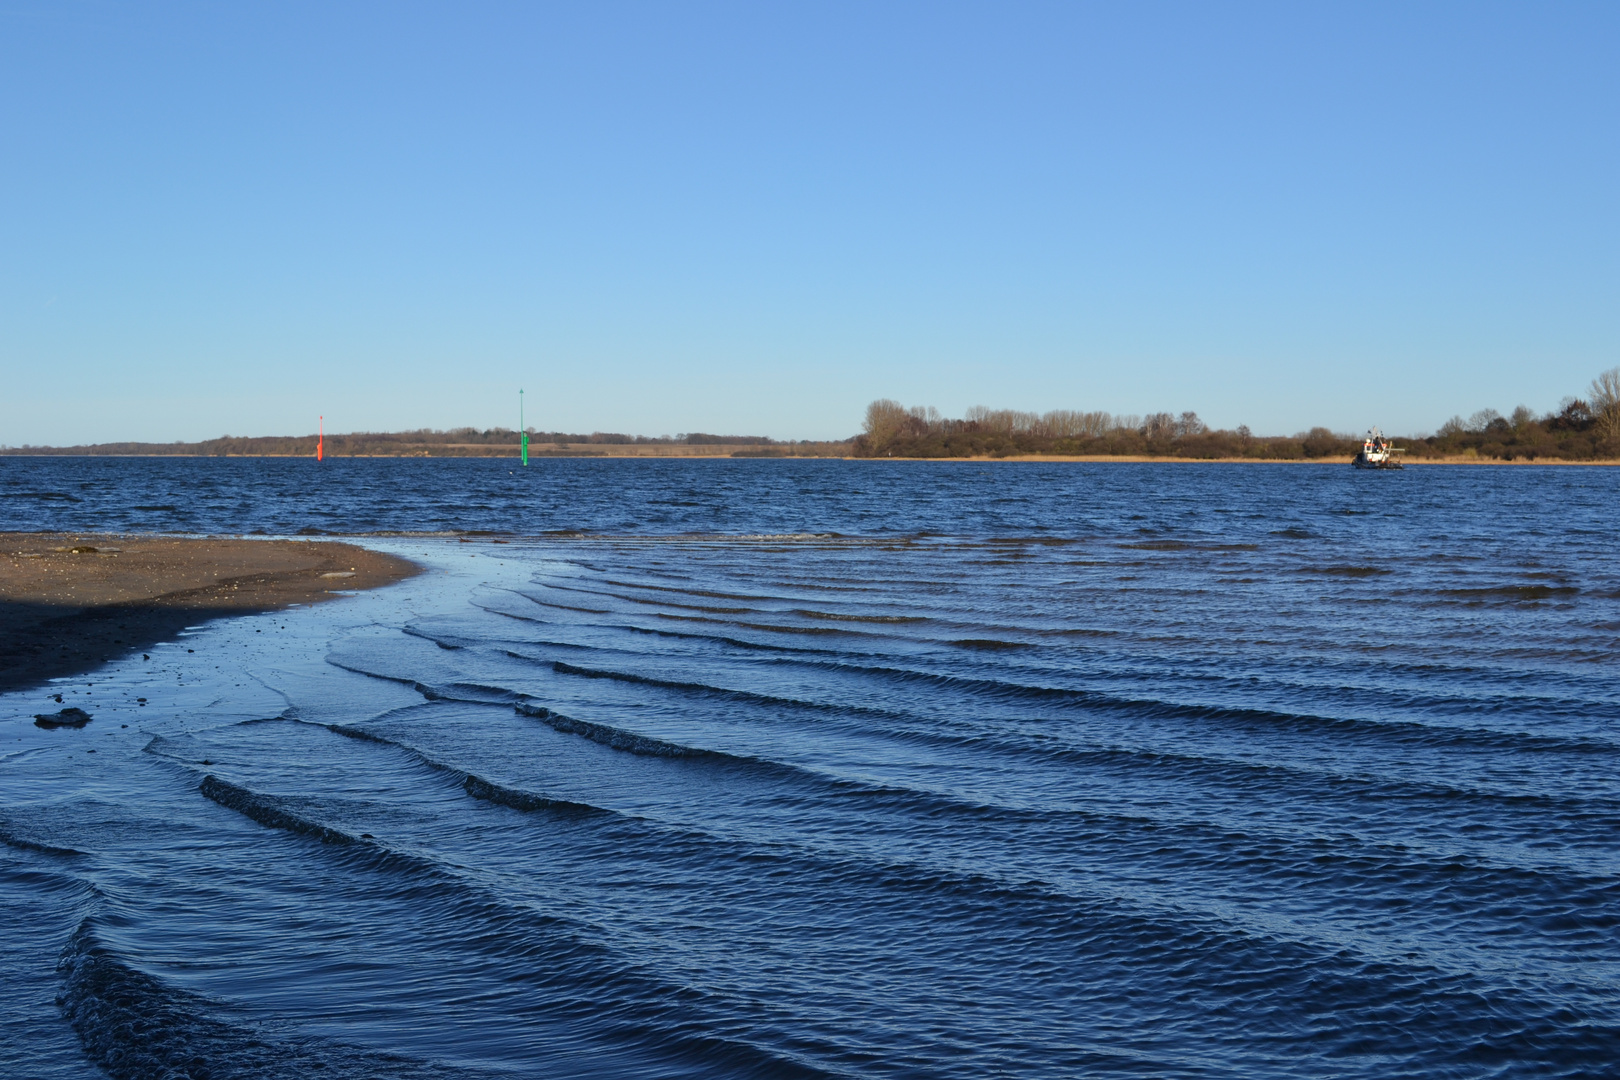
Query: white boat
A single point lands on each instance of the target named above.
(1377, 453)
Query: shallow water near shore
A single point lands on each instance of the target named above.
(777, 768)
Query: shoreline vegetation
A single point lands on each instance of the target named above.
(1581, 430)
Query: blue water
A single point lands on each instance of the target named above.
(807, 768)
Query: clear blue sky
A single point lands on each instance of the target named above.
(756, 217)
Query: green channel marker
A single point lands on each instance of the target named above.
(521, 430)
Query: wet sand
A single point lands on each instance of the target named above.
(70, 602)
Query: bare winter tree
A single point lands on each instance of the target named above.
(1605, 404)
(927, 416)
(1159, 425)
(1062, 424)
(1009, 421)
(886, 419)
(1068, 424)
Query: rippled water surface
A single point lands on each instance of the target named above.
(777, 768)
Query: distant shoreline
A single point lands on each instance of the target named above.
(508, 452)
(763, 453)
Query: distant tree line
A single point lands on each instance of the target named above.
(892, 430)
(457, 442)
(1581, 429)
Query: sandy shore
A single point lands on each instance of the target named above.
(70, 602)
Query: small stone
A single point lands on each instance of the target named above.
(69, 717)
